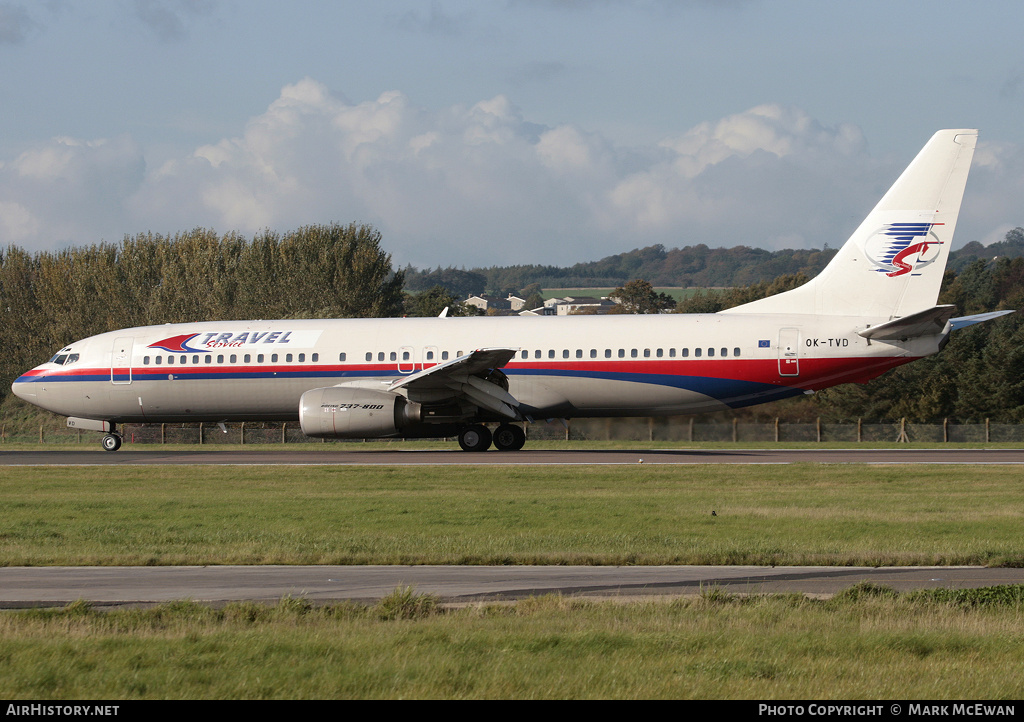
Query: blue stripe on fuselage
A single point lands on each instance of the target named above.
(736, 393)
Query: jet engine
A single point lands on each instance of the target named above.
(352, 413)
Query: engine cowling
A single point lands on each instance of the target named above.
(346, 413)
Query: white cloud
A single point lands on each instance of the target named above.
(68, 191)
(481, 184)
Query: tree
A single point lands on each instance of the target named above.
(431, 302)
(638, 296)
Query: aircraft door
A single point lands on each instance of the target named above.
(789, 352)
(121, 361)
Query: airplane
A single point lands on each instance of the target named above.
(871, 309)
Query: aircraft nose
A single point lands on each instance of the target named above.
(21, 389)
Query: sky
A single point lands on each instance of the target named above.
(479, 133)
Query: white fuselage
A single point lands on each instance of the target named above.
(563, 367)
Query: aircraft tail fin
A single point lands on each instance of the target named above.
(892, 265)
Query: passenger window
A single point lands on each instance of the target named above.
(607, 353)
(536, 354)
(209, 358)
(444, 355)
(246, 358)
(259, 358)
(633, 353)
(341, 356)
(524, 354)
(579, 353)
(393, 356)
(380, 356)
(647, 353)
(287, 358)
(405, 355)
(315, 357)
(622, 353)
(671, 353)
(725, 352)
(696, 352)
(273, 358)
(686, 352)
(234, 358)
(736, 351)
(184, 359)
(195, 359)
(593, 353)
(565, 353)
(551, 353)
(659, 353)
(145, 360)
(159, 360)
(220, 358)
(711, 352)
(302, 357)
(170, 359)
(369, 356)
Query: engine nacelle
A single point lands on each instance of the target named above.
(350, 413)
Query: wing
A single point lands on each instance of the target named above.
(464, 376)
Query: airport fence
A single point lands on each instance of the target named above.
(686, 429)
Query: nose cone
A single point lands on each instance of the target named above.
(23, 389)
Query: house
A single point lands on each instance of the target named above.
(486, 303)
(582, 304)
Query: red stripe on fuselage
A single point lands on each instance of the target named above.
(815, 373)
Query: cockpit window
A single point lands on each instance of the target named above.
(63, 359)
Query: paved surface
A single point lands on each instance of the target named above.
(45, 586)
(527, 457)
(34, 586)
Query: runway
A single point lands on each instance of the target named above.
(22, 587)
(352, 455)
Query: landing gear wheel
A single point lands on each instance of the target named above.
(475, 438)
(111, 442)
(509, 438)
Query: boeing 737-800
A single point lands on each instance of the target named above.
(871, 309)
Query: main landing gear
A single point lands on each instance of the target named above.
(478, 437)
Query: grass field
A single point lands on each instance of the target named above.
(783, 515)
(864, 644)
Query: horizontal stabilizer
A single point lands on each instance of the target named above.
(965, 321)
(929, 322)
